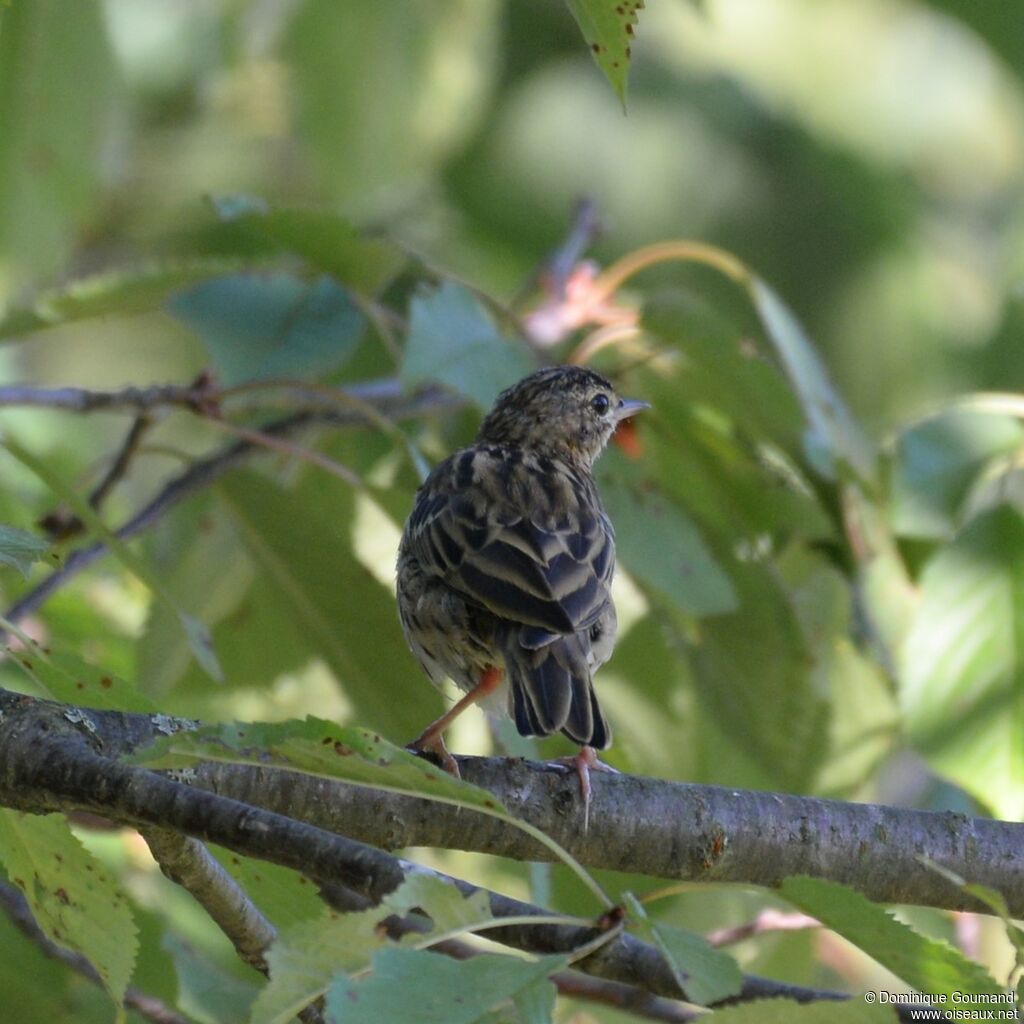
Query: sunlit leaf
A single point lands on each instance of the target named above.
(962, 667)
(924, 964)
(73, 898)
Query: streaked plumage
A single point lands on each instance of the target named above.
(507, 557)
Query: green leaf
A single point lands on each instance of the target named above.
(64, 676)
(417, 987)
(936, 462)
(704, 973)
(325, 240)
(120, 292)
(206, 991)
(785, 1011)
(990, 897)
(835, 439)
(931, 967)
(72, 897)
(205, 567)
(197, 634)
(317, 748)
(299, 542)
(57, 79)
(284, 896)
(20, 549)
(962, 667)
(536, 1003)
(259, 326)
(305, 957)
(761, 690)
(452, 339)
(607, 27)
(659, 543)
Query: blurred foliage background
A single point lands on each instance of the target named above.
(864, 158)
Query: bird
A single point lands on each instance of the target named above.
(506, 562)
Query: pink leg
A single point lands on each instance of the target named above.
(584, 762)
(432, 738)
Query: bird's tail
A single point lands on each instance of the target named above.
(550, 689)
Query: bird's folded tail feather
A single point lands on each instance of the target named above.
(550, 689)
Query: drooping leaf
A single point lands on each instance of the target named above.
(962, 667)
(704, 973)
(20, 549)
(73, 898)
(924, 964)
(660, 544)
(935, 463)
(835, 439)
(420, 988)
(452, 339)
(608, 27)
(259, 326)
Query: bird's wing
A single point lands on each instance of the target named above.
(528, 541)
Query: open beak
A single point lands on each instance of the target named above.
(629, 407)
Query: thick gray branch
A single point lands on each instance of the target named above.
(49, 762)
(650, 826)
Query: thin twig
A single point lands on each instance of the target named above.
(769, 920)
(63, 524)
(387, 397)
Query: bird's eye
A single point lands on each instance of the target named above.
(599, 403)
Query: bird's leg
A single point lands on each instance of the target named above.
(432, 738)
(583, 763)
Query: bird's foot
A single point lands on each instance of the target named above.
(583, 764)
(429, 742)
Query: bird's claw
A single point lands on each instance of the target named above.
(583, 764)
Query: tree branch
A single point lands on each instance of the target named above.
(49, 762)
(385, 396)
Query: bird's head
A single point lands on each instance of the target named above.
(567, 412)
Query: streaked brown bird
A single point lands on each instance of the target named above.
(506, 562)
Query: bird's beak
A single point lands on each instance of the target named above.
(630, 407)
